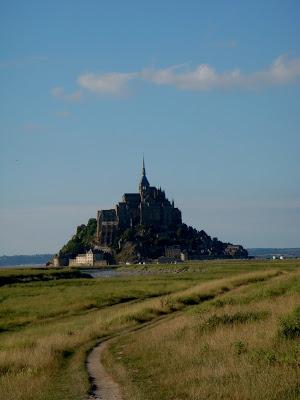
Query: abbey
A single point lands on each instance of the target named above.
(148, 207)
(143, 227)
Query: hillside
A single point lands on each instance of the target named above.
(148, 242)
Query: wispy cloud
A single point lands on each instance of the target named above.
(203, 77)
(60, 93)
(112, 83)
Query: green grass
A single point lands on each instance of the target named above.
(215, 321)
(242, 344)
(290, 325)
(50, 321)
(212, 268)
(27, 275)
(42, 302)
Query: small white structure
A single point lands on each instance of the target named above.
(281, 258)
(56, 261)
(184, 256)
(273, 257)
(85, 259)
(88, 259)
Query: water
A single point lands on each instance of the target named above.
(28, 266)
(101, 273)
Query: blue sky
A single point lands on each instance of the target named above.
(208, 91)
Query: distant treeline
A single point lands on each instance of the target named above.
(35, 259)
(269, 252)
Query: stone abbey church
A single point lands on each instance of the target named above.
(144, 226)
(148, 207)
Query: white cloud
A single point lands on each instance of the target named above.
(59, 92)
(203, 77)
(282, 71)
(112, 83)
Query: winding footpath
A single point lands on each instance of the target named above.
(103, 385)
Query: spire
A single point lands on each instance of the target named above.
(144, 184)
(143, 170)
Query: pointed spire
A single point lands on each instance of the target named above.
(144, 169)
(144, 184)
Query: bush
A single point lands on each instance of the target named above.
(167, 304)
(143, 316)
(195, 299)
(238, 318)
(266, 355)
(239, 347)
(290, 325)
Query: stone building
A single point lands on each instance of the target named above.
(56, 261)
(88, 259)
(147, 207)
(173, 252)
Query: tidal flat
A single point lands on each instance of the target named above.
(232, 330)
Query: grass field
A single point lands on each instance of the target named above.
(233, 322)
(242, 344)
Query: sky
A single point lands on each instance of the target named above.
(208, 91)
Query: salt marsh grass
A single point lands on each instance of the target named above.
(226, 348)
(48, 326)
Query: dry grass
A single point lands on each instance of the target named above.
(47, 327)
(216, 352)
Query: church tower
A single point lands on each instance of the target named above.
(144, 184)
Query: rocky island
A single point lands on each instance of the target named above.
(143, 227)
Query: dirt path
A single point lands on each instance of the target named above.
(103, 385)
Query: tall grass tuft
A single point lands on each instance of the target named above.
(290, 325)
(237, 318)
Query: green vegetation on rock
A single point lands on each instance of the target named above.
(148, 242)
(81, 241)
